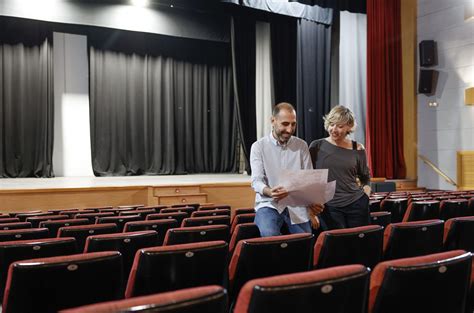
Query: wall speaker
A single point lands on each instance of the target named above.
(427, 81)
(428, 55)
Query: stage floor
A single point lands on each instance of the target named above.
(120, 181)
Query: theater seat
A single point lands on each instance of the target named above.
(382, 218)
(435, 283)
(12, 251)
(141, 212)
(186, 209)
(19, 225)
(47, 285)
(454, 208)
(214, 207)
(160, 226)
(396, 206)
(210, 213)
(206, 220)
(180, 205)
(25, 215)
(268, 256)
(23, 234)
(196, 234)
(36, 220)
(459, 233)
(208, 299)
(54, 226)
(374, 206)
(239, 211)
(168, 268)
(409, 239)
(179, 216)
(93, 216)
(243, 231)
(126, 243)
(80, 233)
(119, 220)
(358, 245)
(340, 289)
(241, 219)
(10, 220)
(422, 210)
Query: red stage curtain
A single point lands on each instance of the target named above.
(384, 132)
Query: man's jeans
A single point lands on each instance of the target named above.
(269, 222)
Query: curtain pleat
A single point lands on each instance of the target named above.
(384, 133)
(263, 79)
(153, 114)
(313, 78)
(353, 68)
(283, 42)
(244, 72)
(26, 102)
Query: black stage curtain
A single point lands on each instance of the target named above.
(160, 105)
(313, 78)
(283, 41)
(26, 99)
(243, 61)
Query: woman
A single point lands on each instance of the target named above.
(347, 164)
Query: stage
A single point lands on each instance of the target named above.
(22, 194)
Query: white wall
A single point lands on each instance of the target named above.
(72, 145)
(448, 128)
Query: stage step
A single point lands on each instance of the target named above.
(406, 184)
(400, 184)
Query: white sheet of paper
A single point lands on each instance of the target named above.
(306, 187)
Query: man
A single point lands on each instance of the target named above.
(268, 156)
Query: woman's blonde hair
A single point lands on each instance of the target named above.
(340, 115)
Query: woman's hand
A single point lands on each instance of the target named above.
(367, 190)
(315, 224)
(316, 208)
(313, 211)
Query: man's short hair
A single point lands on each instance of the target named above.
(282, 106)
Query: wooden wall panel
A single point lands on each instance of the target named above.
(409, 46)
(23, 200)
(234, 194)
(465, 170)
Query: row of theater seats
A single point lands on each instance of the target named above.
(436, 283)
(396, 207)
(142, 227)
(431, 283)
(246, 231)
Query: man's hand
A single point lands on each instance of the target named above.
(278, 193)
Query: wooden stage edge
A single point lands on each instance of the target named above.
(24, 194)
